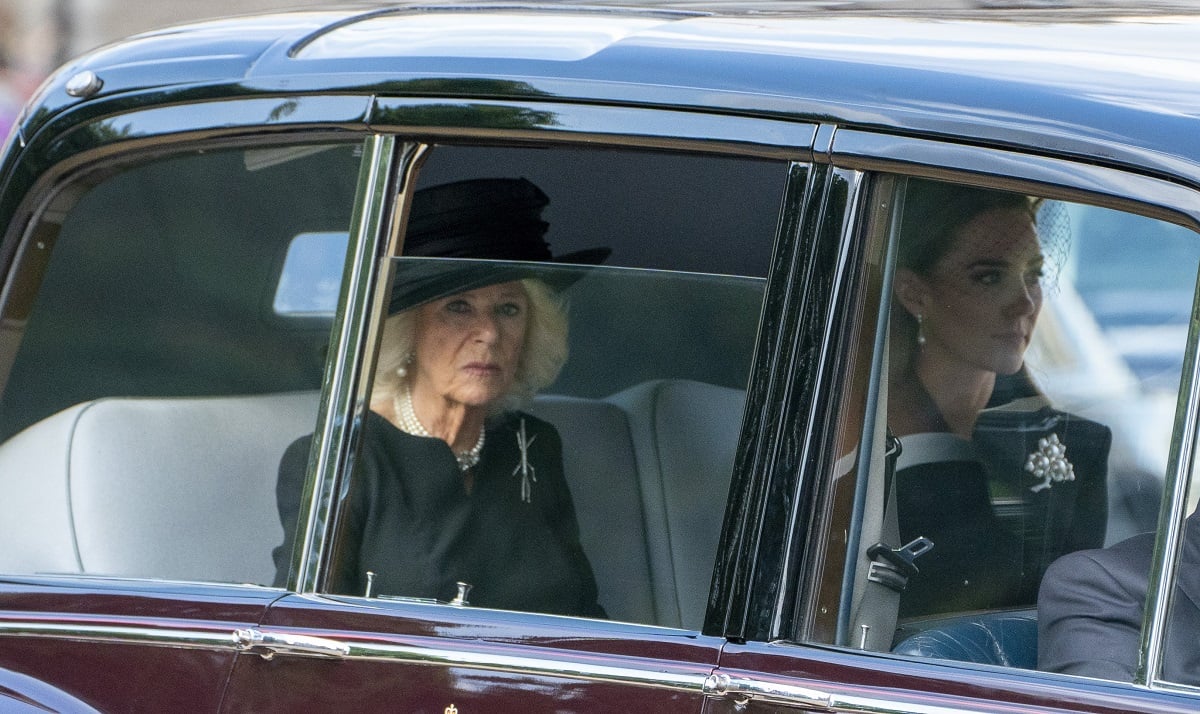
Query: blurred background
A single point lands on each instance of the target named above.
(36, 36)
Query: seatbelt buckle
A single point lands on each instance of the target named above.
(893, 567)
(892, 450)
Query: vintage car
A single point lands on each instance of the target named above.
(204, 234)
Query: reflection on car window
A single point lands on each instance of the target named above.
(311, 275)
(150, 388)
(1033, 374)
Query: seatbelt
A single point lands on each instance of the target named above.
(887, 569)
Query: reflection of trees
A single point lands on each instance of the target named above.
(94, 135)
(285, 109)
(38, 117)
(471, 87)
(474, 115)
(105, 132)
(465, 112)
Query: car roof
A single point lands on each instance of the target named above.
(1051, 75)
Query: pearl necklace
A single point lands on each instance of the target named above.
(407, 416)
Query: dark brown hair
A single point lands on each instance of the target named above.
(935, 210)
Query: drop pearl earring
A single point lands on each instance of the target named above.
(402, 370)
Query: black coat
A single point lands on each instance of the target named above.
(1091, 606)
(408, 518)
(995, 526)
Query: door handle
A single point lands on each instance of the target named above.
(268, 644)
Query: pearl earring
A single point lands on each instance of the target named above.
(402, 370)
(920, 330)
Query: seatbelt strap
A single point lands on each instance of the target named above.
(865, 624)
(889, 568)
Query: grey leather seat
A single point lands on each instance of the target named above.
(601, 470)
(165, 488)
(649, 469)
(184, 488)
(684, 437)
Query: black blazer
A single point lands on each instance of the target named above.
(1091, 605)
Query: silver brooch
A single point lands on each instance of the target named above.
(1049, 463)
(528, 473)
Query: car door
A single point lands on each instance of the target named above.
(828, 630)
(650, 408)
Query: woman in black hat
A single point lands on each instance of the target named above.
(454, 484)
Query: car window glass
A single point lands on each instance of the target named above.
(606, 506)
(600, 480)
(1179, 654)
(1034, 361)
(151, 386)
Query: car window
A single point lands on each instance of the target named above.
(552, 429)
(1025, 418)
(150, 385)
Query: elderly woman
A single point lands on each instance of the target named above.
(1001, 481)
(453, 483)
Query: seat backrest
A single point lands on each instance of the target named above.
(685, 435)
(177, 488)
(599, 465)
(649, 471)
(1007, 639)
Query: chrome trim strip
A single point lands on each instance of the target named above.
(647, 676)
(271, 643)
(338, 404)
(871, 460)
(167, 636)
(823, 142)
(747, 689)
(412, 158)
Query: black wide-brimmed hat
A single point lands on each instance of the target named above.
(486, 220)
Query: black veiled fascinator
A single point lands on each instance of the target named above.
(491, 219)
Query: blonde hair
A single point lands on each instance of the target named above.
(542, 356)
